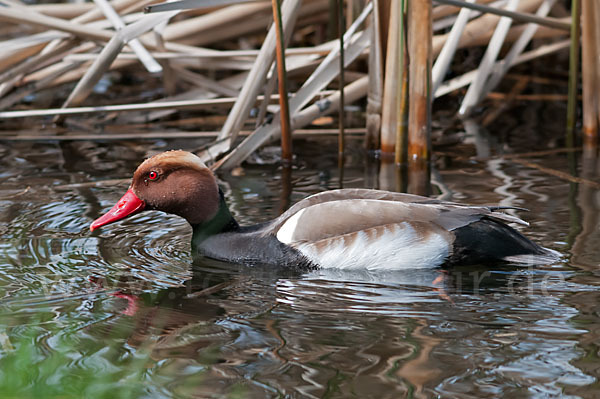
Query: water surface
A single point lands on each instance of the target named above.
(126, 312)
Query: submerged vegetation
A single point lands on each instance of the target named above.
(73, 368)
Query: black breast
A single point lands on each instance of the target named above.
(249, 246)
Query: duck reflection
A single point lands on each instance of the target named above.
(174, 322)
(168, 319)
(308, 333)
(180, 321)
(333, 313)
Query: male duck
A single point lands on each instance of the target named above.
(345, 229)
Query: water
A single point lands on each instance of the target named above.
(125, 311)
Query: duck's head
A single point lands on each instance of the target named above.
(175, 182)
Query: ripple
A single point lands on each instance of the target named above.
(126, 309)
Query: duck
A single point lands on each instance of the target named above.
(347, 229)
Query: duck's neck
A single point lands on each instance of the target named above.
(222, 222)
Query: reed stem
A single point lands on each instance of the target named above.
(389, 112)
(573, 69)
(419, 47)
(286, 140)
(341, 30)
(375, 94)
(402, 90)
(588, 69)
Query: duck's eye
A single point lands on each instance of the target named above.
(153, 175)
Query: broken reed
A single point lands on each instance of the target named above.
(71, 45)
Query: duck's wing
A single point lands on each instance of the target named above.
(341, 194)
(339, 212)
(349, 194)
(371, 233)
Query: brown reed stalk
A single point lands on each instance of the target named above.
(286, 139)
(592, 138)
(588, 69)
(419, 70)
(401, 150)
(573, 68)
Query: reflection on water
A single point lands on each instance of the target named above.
(126, 312)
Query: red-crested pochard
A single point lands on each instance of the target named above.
(346, 229)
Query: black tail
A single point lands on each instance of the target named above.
(488, 240)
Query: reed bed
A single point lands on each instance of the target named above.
(91, 66)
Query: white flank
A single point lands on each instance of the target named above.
(286, 232)
(399, 247)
